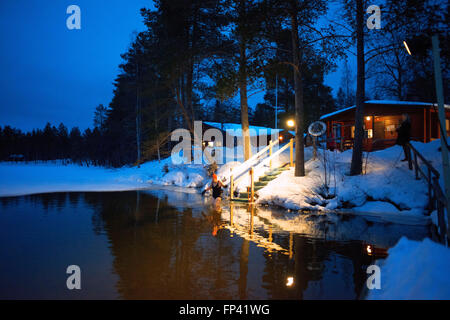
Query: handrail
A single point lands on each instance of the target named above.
(428, 164)
(279, 151)
(255, 156)
(436, 198)
(235, 177)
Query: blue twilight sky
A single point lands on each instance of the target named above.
(50, 73)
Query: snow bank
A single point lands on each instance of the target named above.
(20, 178)
(414, 270)
(387, 187)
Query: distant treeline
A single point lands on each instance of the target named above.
(53, 143)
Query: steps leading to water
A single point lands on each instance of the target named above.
(262, 182)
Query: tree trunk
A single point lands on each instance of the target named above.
(356, 166)
(299, 108)
(243, 91)
(138, 118)
(189, 86)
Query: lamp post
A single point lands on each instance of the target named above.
(442, 118)
(276, 101)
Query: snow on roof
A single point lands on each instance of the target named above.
(390, 102)
(237, 127)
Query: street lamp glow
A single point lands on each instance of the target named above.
(407, 48)
(290, 123)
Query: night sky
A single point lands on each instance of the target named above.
(52, 74)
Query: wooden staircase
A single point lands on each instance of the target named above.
(259, 160)
(262, 182)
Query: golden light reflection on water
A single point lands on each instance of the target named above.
(172, 246)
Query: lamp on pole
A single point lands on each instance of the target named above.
(442, 118)
(276, 101)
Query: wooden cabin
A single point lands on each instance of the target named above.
(259, 135)
(381, 119)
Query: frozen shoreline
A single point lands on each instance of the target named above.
(388, 188)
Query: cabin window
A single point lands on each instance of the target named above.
(353, 132)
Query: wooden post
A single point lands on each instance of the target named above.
(231, 184)
(231, 214)
(270, 154)
(290, 245)
(430, 197)
(252, 208)
(408, 155)
(291, 153)
(314, 147)
(416, 166)
(252, 186)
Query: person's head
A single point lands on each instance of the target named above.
(214, 177)
(405, 117)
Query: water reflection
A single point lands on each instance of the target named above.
(162, 244)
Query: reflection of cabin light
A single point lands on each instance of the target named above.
(368, 118)
(210, 144)
(369, 249)
(290, 123)
(290, 281)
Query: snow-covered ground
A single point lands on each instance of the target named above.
(20, 178)
(414, 270)
(387, 188)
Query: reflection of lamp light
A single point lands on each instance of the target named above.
(290, 281)
(210, 144)
(290, 123)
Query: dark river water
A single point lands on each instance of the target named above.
(160, 244)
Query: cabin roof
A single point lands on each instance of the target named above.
(237, 127)
(385, 102)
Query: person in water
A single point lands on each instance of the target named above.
(216, 187)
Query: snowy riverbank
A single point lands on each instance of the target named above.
(20, 178)
(414, 270)
(388, 187)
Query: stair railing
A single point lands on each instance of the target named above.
(245, 166)
(234, 178)
(436, 198)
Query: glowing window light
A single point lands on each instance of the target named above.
(369, 249)
(290, 281)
